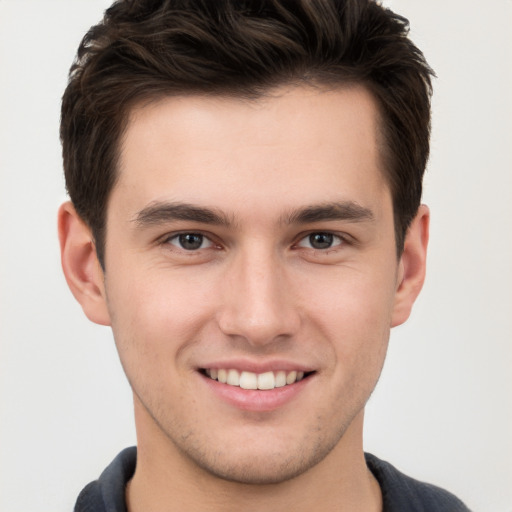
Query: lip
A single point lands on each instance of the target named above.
(256, 400)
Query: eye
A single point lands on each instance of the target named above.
(321, 240)
(190, 241)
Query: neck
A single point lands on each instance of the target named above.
(166, 480)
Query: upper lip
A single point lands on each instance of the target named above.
(257, 366)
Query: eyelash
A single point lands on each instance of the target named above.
(304, 238)
(169, 240)
(332, 236)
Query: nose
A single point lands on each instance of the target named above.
(258, 304)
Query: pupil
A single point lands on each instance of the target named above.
(321, 240)
(191, 241)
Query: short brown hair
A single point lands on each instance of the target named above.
(150, 48)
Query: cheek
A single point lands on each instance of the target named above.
(154, 315)
(353, 298)
(354, 313)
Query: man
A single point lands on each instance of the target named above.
(245, 183)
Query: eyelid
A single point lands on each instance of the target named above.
(343, 239)
(169, 237)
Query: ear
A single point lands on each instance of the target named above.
(412, 266)
(81, 266)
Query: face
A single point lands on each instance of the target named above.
(251, 276)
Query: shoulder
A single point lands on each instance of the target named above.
(403, 493)
(108, 492)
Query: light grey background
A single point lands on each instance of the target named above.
(442, 411)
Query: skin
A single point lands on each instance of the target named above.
(257, 294)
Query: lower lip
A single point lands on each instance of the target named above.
(256, 400)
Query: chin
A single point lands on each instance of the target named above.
(258, 472)
(258, 466)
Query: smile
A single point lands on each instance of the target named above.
(250, 380)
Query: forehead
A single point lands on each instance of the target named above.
(292, 144)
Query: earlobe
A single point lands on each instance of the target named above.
(81, 266)
(412, 266)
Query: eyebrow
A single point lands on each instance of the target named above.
(162, 212)
(345, 210)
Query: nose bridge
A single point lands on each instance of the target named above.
(257, 305)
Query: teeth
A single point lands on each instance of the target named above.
(233, 378)
(266, 380)
(222, 376)
(291, 377)
(280, 379)
(250, 380)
